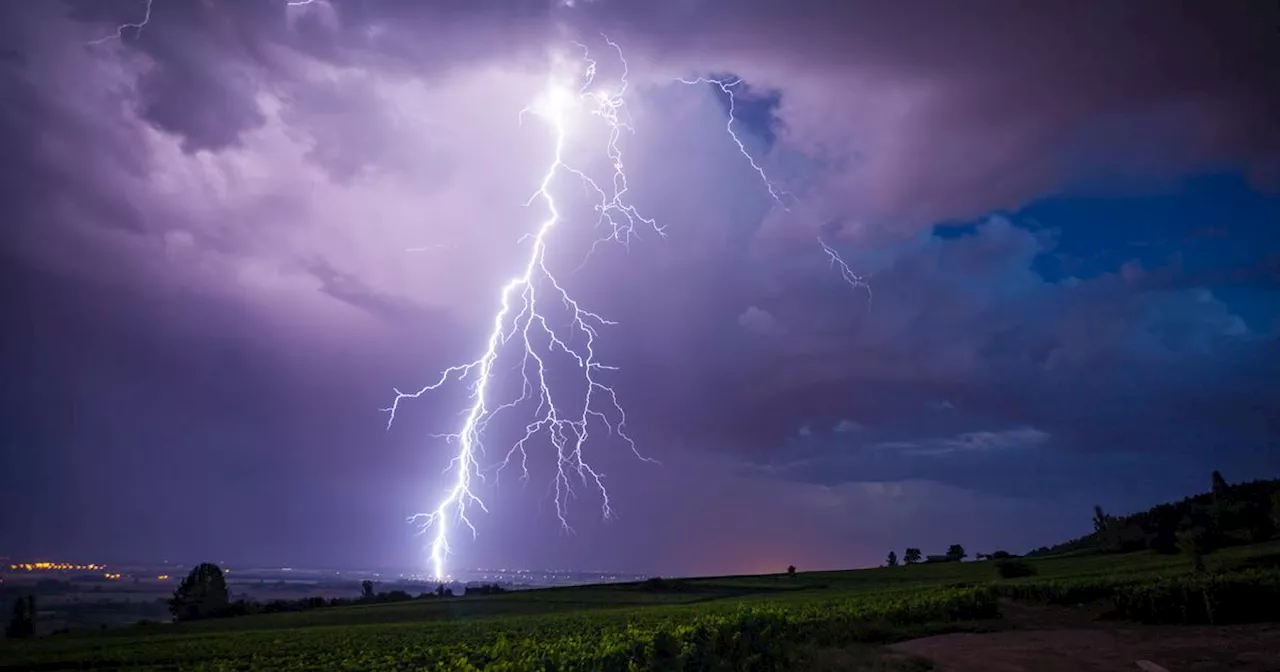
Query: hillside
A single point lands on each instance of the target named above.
(775, 620)
(1226, 515)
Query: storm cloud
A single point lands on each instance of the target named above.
(233, 231)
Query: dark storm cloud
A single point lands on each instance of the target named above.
(950, 109)
(1085, 372)
(995, 104)
(214, 218)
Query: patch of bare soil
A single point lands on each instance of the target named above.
(1055, 639)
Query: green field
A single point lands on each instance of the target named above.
(743, 622)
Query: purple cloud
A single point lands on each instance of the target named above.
(275, 214)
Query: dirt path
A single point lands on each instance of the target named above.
(1048, 639)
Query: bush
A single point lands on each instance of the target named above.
(485, 589)
(203, 594)
(1247, 596)
(1014, 569)
(1069, 592)
(658, 584)
(1251, 596)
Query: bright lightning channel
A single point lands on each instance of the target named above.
(137, 27)
(520, 318)
(623, 221)
(146, 18)
(854, 280)
(727, 87)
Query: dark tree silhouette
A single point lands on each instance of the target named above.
(1191, 543)
(1013, 569)
(1230, 514)
(912, 556)
(1100, 519)
(956, 552)
(23, 622)
(1219, 484)
(1107, 529)
(1275, 509)
(791, 569)
(203, 594)
(366, 589)
(892, 560)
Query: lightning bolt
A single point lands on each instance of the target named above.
(137, 27)
(521, 320)
(837, 262)
(727, 86)
(146, 18)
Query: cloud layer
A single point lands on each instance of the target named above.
(259, 218)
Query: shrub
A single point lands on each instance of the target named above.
(203, 594)
(1013, 569)
(1251, 596)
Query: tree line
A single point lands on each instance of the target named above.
(1227, 515)
(203, 594)
(914, 556)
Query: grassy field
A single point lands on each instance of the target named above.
(742, 622)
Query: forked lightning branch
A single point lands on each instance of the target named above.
(566, 424)
(523, 322)
(564, 421)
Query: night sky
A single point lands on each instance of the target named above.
(1068, 214)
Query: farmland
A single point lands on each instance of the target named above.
(759, 622)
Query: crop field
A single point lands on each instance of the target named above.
(745, 622)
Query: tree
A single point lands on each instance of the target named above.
(1219, 484)
(1191, 543)
(1275, 508)
(23, 623)
(366, 589)
(892, 561)
(1107, 529)
(955, 553)
(203, 594)
(1100, 520)
(791, 570)
(912, 556)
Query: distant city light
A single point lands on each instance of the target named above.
(53, 567)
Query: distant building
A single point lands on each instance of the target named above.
(939, 558)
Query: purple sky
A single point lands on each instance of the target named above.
(1067, 212)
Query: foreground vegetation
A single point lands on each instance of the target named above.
(1209, 566)
(758, 634)
(760, 622)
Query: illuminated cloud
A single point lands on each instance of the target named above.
(300, 207)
